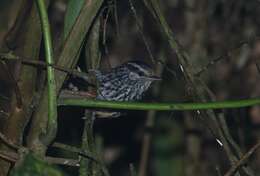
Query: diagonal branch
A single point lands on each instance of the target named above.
(242, 161)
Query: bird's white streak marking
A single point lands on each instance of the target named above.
(146, 72)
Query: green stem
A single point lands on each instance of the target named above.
(158, 106)
(52, 100)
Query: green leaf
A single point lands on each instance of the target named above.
(32, 166)
(72, 12)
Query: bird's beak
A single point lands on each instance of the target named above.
(154, 78)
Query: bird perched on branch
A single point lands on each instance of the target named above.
(127, 82)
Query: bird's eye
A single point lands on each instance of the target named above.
(133, 76)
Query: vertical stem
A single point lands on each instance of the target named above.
(88, 167)
(149, 124)
(146, 144)
(52, 99)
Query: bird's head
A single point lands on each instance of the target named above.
(139, 71)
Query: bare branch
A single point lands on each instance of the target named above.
(242, 161)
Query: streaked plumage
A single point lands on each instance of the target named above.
(127, 82)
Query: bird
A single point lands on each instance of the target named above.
(127, 82)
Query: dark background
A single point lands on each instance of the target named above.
(181, 143)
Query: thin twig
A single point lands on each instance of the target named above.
(140, 29)
(86, 154)
(10, 57)
(225, 55)
(148, 48)
(242, 161)
(228, 53)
